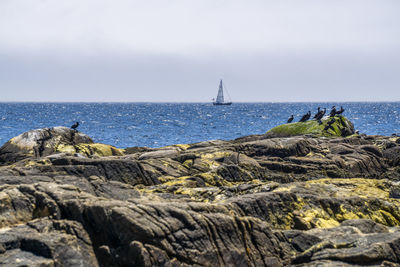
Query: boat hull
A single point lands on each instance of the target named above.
(222, 104)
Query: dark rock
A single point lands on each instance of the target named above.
(47, 243)
(301, 224)
(366, 226)
(372, 149)
(170, 153)
(392, 155)
(301, 241)
(184, 232)
(343, 244)
(394, 191)
(279, 147)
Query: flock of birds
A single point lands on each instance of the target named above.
(319, 115)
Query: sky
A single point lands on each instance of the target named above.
(177, 50)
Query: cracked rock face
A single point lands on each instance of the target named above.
(46, 242)
(254, 201)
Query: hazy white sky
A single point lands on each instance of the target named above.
(176, 50)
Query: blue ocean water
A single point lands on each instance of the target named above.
(161, 124)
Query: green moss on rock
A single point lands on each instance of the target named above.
(342, 127)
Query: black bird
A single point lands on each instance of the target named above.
(333, 112)
(290, 119)
(317, 114)
(305, 117)
(308, 115)
(320, 115)
(75, 125)
(340, 111)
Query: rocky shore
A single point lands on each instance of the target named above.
(302, 194)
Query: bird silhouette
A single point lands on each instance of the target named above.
(340, 111)
(333, 112)
(290, 119)
(75, 125)
(320, 114)
(305, 117)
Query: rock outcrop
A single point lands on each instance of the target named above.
(48, 141)
(255, 201)
(328, 126)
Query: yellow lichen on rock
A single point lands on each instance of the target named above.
(218, 154)
(187, 163)
(389, 218)
(344, 214)
(207, 163)
(97, 149)
(182, 146)
(361, 187)
(326, 223)
(180, 181)
(166, 178)
(208, 178)
(285, 188)
(319, 218)
(212, 179)
(64, 148)
(352, 198)
(32, 163)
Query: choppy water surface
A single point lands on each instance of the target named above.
(160, 124)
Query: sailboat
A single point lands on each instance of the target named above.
(220, 97)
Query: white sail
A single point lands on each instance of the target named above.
(220, 96)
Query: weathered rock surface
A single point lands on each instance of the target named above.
(48, 141)
(254, 201)
(46, 242)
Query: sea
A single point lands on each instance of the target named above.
(162, 124)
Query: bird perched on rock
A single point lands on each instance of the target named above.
(333, 111)
(290, 119)
(316, 114)
(305, 117)
(75, 125)
(340, 111)
(308, 115)
(320, 114)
